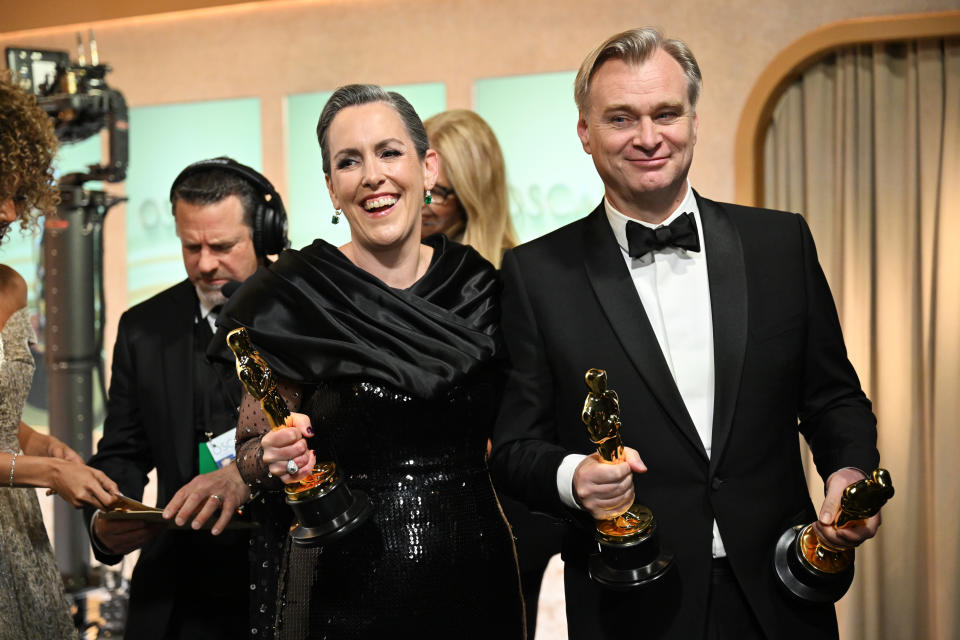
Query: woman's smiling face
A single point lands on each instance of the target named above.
(376, 176)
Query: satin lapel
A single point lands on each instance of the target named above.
(177, 378)
(618, 297)
(728, 303)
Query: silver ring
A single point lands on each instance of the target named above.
(292, 467)
(217, 498)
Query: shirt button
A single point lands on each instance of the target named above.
(716, 483)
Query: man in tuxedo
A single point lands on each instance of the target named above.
(168, 405)
(716, 326)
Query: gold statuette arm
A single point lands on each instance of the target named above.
(257, 377)
(601, 414)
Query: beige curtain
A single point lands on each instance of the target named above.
(866, 144)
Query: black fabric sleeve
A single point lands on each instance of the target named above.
(525, 454)
(124, 452)
(835, 415)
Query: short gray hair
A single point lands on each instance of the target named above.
(634, 47)
(353, 95)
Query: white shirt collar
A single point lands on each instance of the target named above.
(206, 313)
(618, 221)
(204, 309)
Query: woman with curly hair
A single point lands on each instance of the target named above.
(27, 147)
(32, 601)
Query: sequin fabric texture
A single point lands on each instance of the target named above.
(437, 556)
(32, 602)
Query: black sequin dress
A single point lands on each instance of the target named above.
(405, 407)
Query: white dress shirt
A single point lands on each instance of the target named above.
(208, 314)
(673, 286)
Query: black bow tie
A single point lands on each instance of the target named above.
(681, 233)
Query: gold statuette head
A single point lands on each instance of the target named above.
(257, 377)
(864, 498)
(601, 414)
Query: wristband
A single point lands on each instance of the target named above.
(13, 464)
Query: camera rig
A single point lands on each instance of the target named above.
(79, 101)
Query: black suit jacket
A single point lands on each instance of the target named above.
(569, 304)
(150, 424)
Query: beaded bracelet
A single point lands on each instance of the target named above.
(13, 464)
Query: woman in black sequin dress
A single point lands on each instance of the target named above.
(391, 348)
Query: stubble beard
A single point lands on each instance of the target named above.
(209, 297)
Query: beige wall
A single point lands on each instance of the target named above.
(270, 49)
(19, 15)
(273, 48)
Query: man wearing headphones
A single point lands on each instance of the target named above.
(173, 409)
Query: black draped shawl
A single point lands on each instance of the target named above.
(314, 315)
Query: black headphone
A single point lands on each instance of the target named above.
(269, 218)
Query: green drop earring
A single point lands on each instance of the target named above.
(427, 198)
(336, 216)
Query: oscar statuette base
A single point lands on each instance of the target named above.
(327, 513)
(629, 565)
(803, 580)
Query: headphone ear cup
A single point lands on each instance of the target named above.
(258, 224)
(273, 231)
(279, 229)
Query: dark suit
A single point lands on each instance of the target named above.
(569, 304)
(185, 584)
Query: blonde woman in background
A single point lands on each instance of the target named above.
(469, 202)
(469, 205)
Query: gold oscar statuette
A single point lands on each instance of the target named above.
(811, 568)
(629, 553)
(325, 508)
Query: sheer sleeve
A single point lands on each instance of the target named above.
(251, 426)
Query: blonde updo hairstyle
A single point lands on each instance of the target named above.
(473, 162)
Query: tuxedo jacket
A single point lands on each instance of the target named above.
(569, 304)
(150, 425)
